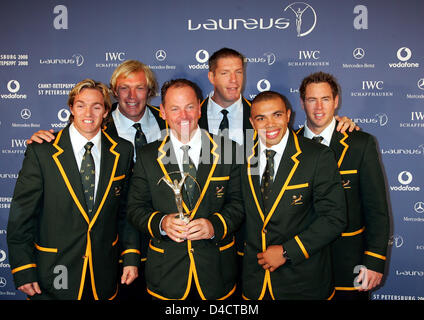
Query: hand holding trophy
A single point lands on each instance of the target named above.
(174, 230)
(177, 187)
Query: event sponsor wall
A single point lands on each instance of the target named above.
(374, 48)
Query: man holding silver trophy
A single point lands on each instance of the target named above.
(191, 252)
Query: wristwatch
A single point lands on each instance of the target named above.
(286, 256)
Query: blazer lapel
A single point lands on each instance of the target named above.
(209, 157)
(253, 178)
(203, 121)
(339, 145)
(108, 165)
(68, 168)
(247, 126)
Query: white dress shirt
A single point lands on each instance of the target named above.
(235, 118)
(78, 142)
(279, 150)
(327, 133)
(195, 144)
(125, 129)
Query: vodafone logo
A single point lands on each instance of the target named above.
(202, 56)
(405, 177)
(13, 86)
(263, 85)
(404, 54)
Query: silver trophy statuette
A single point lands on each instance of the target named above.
(177, 187)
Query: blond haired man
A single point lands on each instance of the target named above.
(66, 219)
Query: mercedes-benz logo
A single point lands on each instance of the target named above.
(2, 282)
(25, 114)
(358, 53)
(419, 207)
(160, 55)
(420, 84)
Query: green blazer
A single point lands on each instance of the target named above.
(208, 265)
(309, 212)
(365, 240)
(110, 128)
(48, 225)
(247, 128)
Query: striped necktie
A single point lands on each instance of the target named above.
(87, 172)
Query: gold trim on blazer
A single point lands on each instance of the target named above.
(375, 255)
(346, 146)
(267, 278)
(190, 250)
(354, 233)
(53, 250)
(27, 266)
(88, 255)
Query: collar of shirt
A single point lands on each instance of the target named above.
(235, 117)
(279, 150)
(326, 133)
(125, 129)
(78, 142)
(195, 144)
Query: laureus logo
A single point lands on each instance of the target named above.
(305, 21)
(306, 17)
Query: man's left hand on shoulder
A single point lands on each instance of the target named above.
(346, 123)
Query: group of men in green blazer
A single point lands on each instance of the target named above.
(324, 211)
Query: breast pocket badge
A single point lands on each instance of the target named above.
(297, 200)
(219, 191)
(346, 184)
(117, 191)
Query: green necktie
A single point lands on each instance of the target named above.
(267, 179)
(139, 138)
(190, 184)
(88, 177)
(318, 139)
(224, 125)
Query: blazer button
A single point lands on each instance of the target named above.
(265, 231)
(192, 250)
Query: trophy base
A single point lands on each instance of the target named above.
(185, 218)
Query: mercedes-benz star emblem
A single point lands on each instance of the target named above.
(419, 207)
(160, 55)
(358, 53)
(25, 114)
(420, 84)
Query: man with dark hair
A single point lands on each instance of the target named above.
(225, 110)
(363, 244)
(195, 259)
(68, 208)
(294, 205)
